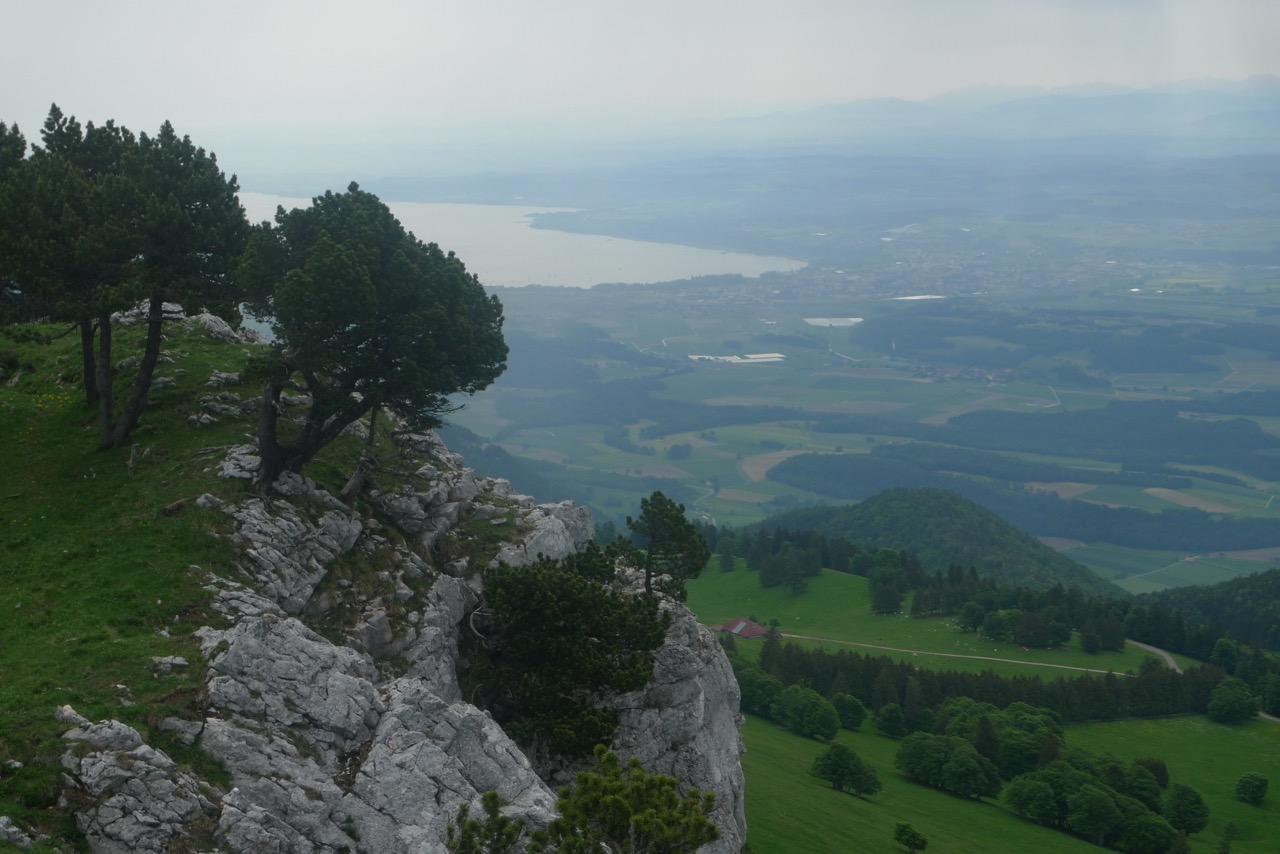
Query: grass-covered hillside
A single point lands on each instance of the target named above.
(103, 553)
(789, 809)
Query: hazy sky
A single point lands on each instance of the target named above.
(226, 66)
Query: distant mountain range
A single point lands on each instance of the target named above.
(1211, 117)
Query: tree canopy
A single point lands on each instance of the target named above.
(365, 316)
(627, 810)
(674, 551)
(558, 640)
(97, 220)
(846, 771)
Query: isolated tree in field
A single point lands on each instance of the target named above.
(1230, 703)
(625, 809)
(672, 546)
(105, 220)
(845, 771)
(909, 838)
(365, 316)
(1252, 787)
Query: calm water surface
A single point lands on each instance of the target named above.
(497, 243)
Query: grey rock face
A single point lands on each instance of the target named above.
(287, 555)
(686, 723)
(137, 798)
(12, 834)
(552, 530)
(370, 745)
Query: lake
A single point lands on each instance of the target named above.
(498, 244)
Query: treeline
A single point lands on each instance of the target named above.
(878, 681)
(1247, 608)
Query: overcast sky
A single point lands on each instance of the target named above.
(214, 67)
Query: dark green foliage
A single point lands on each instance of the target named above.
(846, 771)
(496, 834)
(1230, 702)
(728, 561)
(366, 316)
(556, 641)
(1141, 784)
(1185, 809)
(1229, 831)
(758, 688)
(948, 763)
(850, 709)
(1159, 770)
(98, 220)
(1092, 812)
(891, 721)
(970, 617)
(1246, 607)
(942, 529)
(627, 810)
(673, 550)
(909, 838)
(1033, 800)
(1146, 833)
(804, 711)
(1252, 787)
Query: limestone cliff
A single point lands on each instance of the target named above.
(333, 696)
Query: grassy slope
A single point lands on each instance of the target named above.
(789, 811)
(1210, 758)
(837, 606)
(95, 570)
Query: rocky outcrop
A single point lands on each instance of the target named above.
(368, 744)
(135, 798)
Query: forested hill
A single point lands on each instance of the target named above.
(1247, 608)
(943, 528)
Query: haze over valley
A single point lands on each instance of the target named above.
(732, 428)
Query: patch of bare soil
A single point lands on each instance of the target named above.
(1185, 500)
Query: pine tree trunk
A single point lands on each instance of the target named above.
(86, 355)
(142, 382)
(106, 397)
(268, 443)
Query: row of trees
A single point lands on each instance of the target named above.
(365, 316)
(97, 219)
(879, 680)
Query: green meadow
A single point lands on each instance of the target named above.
(836, 607)
(1209, 757)
(791, 812)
